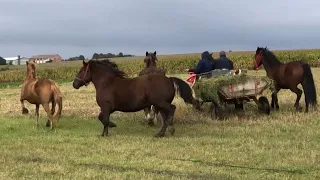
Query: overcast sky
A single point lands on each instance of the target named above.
(74, 27)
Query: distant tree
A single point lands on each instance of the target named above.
(2, 61)
(95, 56)
(120, 54)
(81, 57)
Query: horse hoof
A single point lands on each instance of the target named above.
(25, 111)
(158, 135)
(171, 130)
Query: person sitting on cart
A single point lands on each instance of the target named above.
(204, 65)
(223, 62)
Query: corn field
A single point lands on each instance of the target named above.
(171, 63)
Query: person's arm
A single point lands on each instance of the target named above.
(199, 67)
(231, 63)
(191, 70)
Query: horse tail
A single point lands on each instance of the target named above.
(308, 86)
(57, 98)
(185, 91)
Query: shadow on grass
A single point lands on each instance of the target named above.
(153, 171)
(222, 164)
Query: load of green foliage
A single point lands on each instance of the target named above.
(207, 88)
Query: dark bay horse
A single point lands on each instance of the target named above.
(41, 92)
(150, 66)
(116, 92)
(287, 76)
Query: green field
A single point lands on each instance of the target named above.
(284, 145)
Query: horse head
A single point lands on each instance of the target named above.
(150, 59)
(83, 77)
(100, 69)
(258, 57)
(31, 69)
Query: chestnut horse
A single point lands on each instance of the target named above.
(115, 92)
(151, 67)
(287, 76)
(41, 92)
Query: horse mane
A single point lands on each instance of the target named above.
(270, 57)
(111, 66)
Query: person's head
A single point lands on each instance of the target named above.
(222, 54)
(206, 55)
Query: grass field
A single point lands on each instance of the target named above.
(284, 145)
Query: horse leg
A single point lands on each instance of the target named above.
(167, 111)
(274, 98)
(105, 119)
(50, 122)
(171, 128)
(149, 115)
(111, 124)
(298, 93)
(272, 101)
(53, 108)
(164, 117)
(37, 114)
(24, 109)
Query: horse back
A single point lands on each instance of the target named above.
(37, 91)
(131, 94)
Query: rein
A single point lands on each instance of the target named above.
(85, 74)
(257, 60)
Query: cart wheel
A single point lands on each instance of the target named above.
(264, 105)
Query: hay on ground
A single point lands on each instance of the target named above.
(208, 88)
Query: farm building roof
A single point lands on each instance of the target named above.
(44, 56)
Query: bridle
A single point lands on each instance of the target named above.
(257, 60)
(84, 75)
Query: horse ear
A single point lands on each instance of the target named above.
(147, 53)
(265, 47)
(83, 62)
(155, 53)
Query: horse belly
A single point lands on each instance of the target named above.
(132, 106)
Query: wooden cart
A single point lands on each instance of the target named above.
(239, 93)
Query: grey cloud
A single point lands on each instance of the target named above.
(169, 26)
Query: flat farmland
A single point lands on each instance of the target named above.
(284, 145)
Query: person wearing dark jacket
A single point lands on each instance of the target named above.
(204, 65)
(223, 62)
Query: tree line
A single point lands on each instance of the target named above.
(100, 56)
(109, 55)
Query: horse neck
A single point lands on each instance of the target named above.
(271, 65)
(31, 75)
(101, 78)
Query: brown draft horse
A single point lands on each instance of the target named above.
(41, 92)
(287, 76)
(151, 67)
(115, 92)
